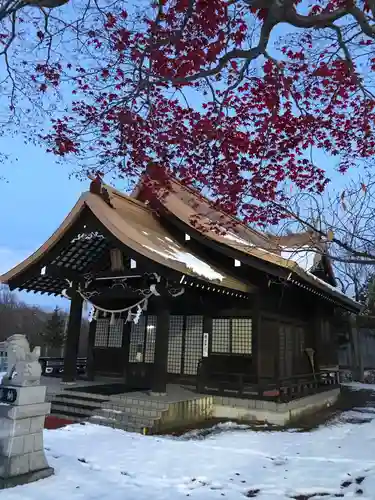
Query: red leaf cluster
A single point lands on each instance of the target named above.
(166, 91)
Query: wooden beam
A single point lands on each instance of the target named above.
(117, 263)
(104, 275)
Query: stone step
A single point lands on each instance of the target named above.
(128, 413)
(129, 426)
(126, 417)
(84, 395)
(74, 410)
(84, 403)
(129, 401)
(77, 397)
(134, 410)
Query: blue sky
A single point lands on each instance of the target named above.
(34, 201)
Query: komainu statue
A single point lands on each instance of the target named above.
(23, 365)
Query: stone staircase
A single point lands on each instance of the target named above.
(125, 412)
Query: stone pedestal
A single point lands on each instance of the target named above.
(22, 414)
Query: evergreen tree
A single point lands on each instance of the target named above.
(54, 332)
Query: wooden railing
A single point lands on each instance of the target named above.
(280, 390)
(303, 385)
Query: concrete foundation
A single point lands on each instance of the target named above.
(251, 410)
(182, 407)
(187, 412)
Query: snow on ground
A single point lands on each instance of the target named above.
(233, 462)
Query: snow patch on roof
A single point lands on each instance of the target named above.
(237, 239)
(196, 265)
(306, 257)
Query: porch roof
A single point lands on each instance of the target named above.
(133, 225)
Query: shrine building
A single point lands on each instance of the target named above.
(184, 294)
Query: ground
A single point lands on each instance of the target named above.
(335, 460)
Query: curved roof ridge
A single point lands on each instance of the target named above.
(204, 199)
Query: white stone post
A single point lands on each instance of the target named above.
(23, 409)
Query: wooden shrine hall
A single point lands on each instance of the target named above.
(184, 293)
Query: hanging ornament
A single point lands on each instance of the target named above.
(96, 314)
(129, 317)
(113, 319)
(145, 305)
(105, 314)
(154, 290)
(137, 315)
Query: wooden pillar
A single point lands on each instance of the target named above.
(90, 369)
(72, 336)
(159, 379)
(255, 334)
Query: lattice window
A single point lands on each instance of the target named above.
(176, 325)
(241, 335)
(231, 335)
(221, 335)
(101, 333)
(150, 339)
(115, 334)
(137, 340)
(193, 344)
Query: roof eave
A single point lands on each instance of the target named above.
(315, 283)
